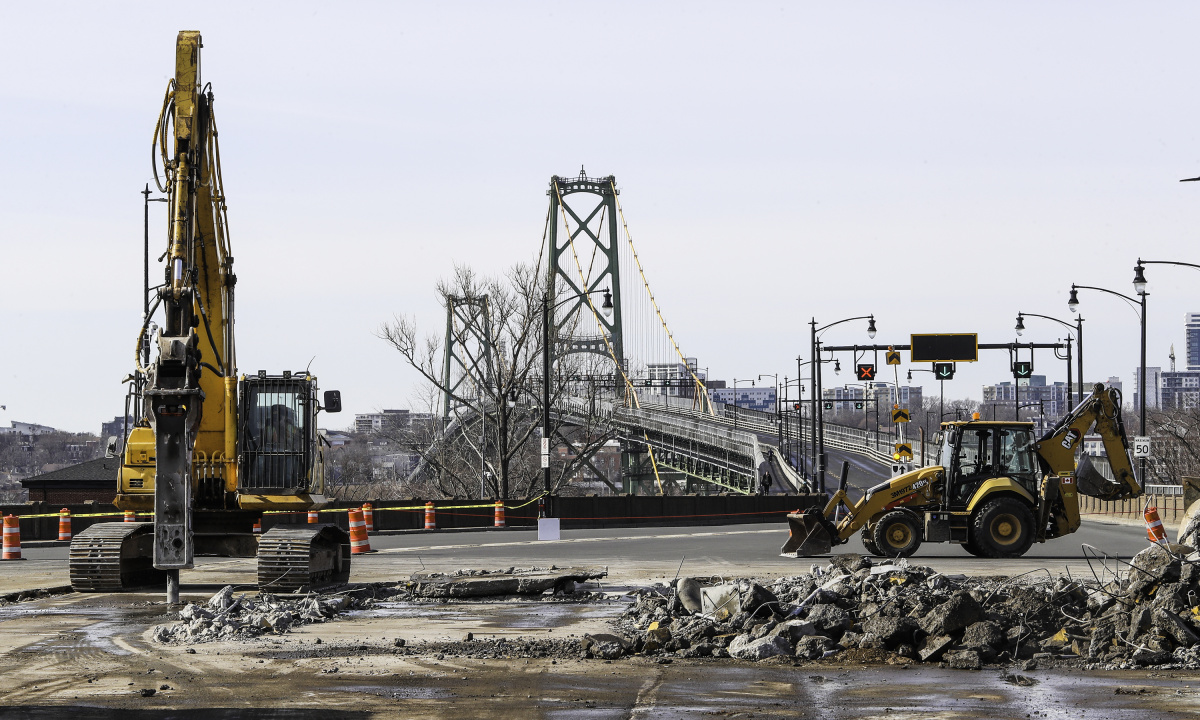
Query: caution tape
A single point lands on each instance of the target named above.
(409, 507)
(121, 513)
(83, 515)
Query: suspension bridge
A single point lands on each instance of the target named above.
(612, 369)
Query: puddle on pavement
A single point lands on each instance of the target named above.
(400, 691)
(110, 619)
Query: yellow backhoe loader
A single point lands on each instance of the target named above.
(995, 490)
(209, 451)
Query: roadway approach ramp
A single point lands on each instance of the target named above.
(707, 449)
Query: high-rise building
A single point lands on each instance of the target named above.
(1153, 386)
(1192, 331)
(1038, 396)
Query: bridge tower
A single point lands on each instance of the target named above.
(580, 207)
(469, 358)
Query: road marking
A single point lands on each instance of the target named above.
(424, 548)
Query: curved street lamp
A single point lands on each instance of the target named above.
(818, 436)
(1078, 328)
(1139, 285)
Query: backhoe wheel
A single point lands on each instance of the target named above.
(971, 547)
(868, 540)
(897, 534)
(1003, 528)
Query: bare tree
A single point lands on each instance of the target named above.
(1175, 442)
(496, 416)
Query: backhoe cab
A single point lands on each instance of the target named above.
(995, 490)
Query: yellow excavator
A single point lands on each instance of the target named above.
(995, 490)
(209, 451)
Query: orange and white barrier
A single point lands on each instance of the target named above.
(359, 543)
(369, 516)
(312, 517)
(12, 537)
(258, 527)
(1154, 527)
(130, 517)
(430, 516)
(64, 524)
(499, 514)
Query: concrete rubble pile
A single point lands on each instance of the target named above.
(854, 610)
(226, 617)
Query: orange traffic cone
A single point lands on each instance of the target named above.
(499, 514)
(12, 537)
(369, 516)
(64, 524)
(312, 517)
(359, 543)
(1154, 527)
(130, 517)
(430, 516)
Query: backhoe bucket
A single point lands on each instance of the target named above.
(808, 535)
(1089, 481)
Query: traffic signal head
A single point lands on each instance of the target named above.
(859, 405)
(795, 406)
(828, 405)
(866, 372)
(943, 371)
(1023, 369)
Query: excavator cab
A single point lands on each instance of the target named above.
(278, 434)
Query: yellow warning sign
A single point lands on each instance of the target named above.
(893, 357)
(904, 450)
(900, 415)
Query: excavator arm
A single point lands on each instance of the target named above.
(1099, 412)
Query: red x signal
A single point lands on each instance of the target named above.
(866, 372)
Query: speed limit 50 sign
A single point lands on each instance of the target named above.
(1141, 446)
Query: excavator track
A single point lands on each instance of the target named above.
(114, 556)
(296, 559)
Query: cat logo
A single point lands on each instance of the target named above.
(1069, 441)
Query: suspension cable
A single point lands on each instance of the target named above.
(701, 390)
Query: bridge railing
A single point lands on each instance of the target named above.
(839, 437)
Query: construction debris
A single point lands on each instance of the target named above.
(513, 581)
(852, 608)
(226, 617)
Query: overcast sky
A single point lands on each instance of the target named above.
(942, 165)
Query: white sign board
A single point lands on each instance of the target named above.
(545, 452)
(1141, 446)
(548, 529)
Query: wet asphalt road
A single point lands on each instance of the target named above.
(635, 554)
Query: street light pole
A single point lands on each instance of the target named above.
(547, 350)
(1139, 284)
(819, 430)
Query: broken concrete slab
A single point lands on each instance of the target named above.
(813, 647)
(532, 581)
(955, 614)
(772, 645)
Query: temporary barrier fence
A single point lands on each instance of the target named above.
(38, 521)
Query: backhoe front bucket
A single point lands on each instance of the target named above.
(808, 535)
